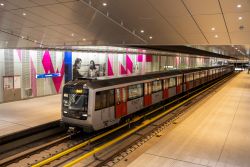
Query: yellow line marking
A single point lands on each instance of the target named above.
(145, 123)
(44, 162)
(57, 156)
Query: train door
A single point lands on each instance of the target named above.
(165, 88)
(186, 81)
(179, 84)
(120, 102)
(147, 94)
(201, 73)
(206, 75)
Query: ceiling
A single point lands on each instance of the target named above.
(34, 23)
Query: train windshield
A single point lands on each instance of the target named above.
(75, 99)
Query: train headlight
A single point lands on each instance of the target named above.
(65, 112)
(65, 103)
(85, 115)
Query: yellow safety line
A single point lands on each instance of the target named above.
(144, 123)
(46, 161)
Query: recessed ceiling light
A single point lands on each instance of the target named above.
(84, 39)
(72, 34)
(142, 31)
(212, 28)
(240, 18)
(239, 6)
(24, 14)
(104, 4)
(22, 37)
(1, 4)
(150, 37)
(216, 36)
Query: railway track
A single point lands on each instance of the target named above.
(97, 149)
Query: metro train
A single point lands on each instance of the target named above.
(94, 104)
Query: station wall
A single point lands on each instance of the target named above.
(19, 68)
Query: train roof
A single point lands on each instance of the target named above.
(107, 81)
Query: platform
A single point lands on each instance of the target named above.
(216, 133)
(24, 114)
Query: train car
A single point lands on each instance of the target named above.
(94, 104)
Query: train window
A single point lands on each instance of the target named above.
(157, 85)
(172, 82)
(179, 80)
(201, 74)
(165, 83)
(121, 95)
(118, 96)
(145, 88)
(104, 99)
(135, 91)
(76, 99)
(124, 93)
(111, 98)
(196, 75)
(189, 77)
(150, 88)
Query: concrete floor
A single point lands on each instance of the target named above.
(217, 133)
(24, 114)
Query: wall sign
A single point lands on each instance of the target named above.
(52, 75)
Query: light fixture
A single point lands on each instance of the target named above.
(72, 34)
(150, 37)
(240, 18)
(142, 31)
(104, 4)
(22, 37)
(212, 28)
(239, 6)
(35, 41)
(1, 4)
(24, 14)
(84, 39)
(216, 36)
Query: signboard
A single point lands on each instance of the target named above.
(52, 75)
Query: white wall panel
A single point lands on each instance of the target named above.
(2, 71)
